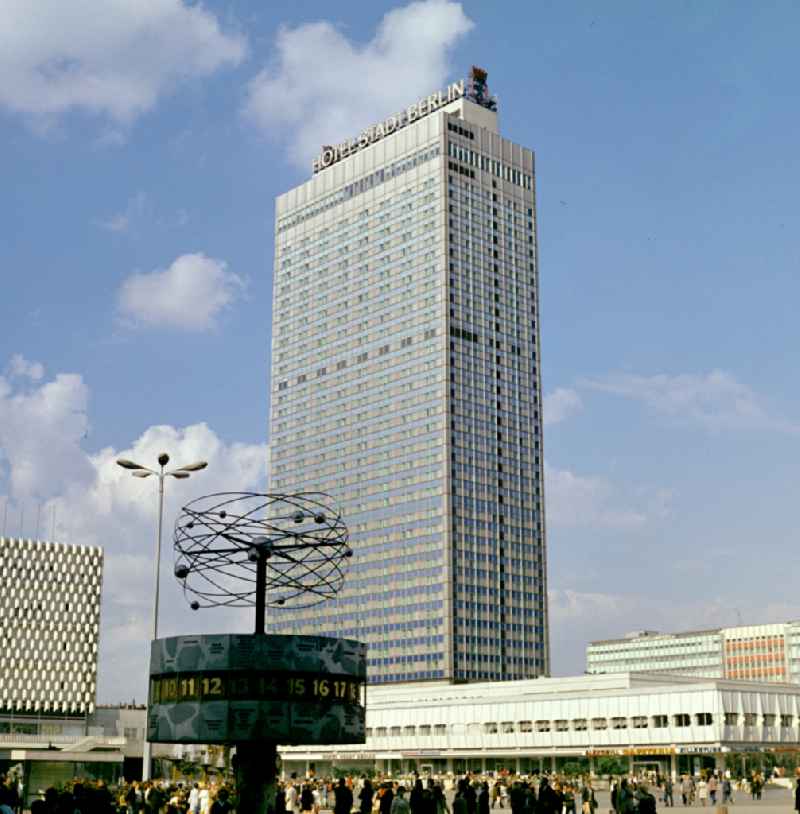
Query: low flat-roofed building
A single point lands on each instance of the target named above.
(768, 652)
(658, 721)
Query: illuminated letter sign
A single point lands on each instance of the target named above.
(428, 104)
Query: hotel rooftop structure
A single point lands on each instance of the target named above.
(405, 383)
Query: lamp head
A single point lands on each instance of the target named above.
(126, 464)
(195, 467)
(163, 459)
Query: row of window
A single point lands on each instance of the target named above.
(357, 187)
(679, 720)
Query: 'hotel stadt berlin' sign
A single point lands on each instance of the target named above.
(428, 104)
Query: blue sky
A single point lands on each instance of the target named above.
(141, 153)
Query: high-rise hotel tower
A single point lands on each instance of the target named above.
(405, 383)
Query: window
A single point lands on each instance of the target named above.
(410, 730)
(424, 730)
(599, 723)
(660, 722)
(525, 726)
(474, 729)
(731, 718)
(786, 721)
(681, 719)
(750, 719)
(579, 725)
(440, 729)
(769, 719)
(380, 732)
(704, 719)
(562, 725)
(368, 731)
(490, 728)
(639, 721)
(507, 726)
(543, 726)
(395, 731)
(131, 733)
(619, 723)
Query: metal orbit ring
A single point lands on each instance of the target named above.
(220, 538)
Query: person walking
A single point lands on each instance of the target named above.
(687, 788)
(797, 795)
(386, 797)
(668, 801)
(727, 791)
(713, 785)
(588, 800)
(625, 801)
(399, 803)
(440, 801)
(415, 801)
(343, 798)
(702, 791)
(646, 801)
(483, 799)
(365, 797)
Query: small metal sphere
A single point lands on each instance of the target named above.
(297, 543)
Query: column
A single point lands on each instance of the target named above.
(673, 767)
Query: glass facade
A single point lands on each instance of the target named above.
(405, 384)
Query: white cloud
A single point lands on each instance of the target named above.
(560, 405)
(715, 400)
(20, 366)
(113, 58)
(593, 501)
(122, 221)
(189, 295)
(322, 86)
(89, 500)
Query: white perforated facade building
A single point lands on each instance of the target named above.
(49, 627)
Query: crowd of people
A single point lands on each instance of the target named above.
(472, 794)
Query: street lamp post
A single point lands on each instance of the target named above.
(139, 471)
